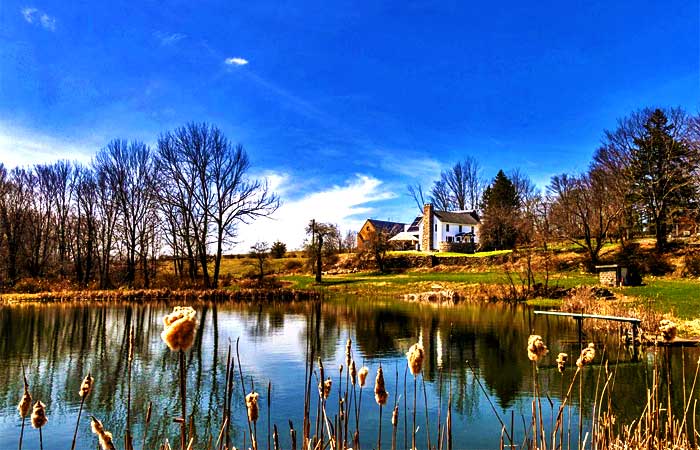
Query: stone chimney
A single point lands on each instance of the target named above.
(428, 223)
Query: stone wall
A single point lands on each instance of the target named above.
(457, 247)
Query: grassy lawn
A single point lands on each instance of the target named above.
(666, 294)
(408, 281)
(450, 254)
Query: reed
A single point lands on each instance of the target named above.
(178, 333)
(380, 396)
(415, 357)
(25, 405)
(39, 419)
(85, 389)
(104, 437)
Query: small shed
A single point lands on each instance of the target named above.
(612, 275)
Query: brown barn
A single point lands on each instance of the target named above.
(371, 226)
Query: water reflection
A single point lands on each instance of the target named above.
(59, 344)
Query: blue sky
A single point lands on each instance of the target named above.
(342, 104)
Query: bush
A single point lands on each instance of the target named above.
(278, 249)
(691, 264)
(293, 265)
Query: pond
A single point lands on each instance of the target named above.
(60, 343)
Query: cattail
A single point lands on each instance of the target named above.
(362, 375)
(86, 387)
(562, 358)
(327, 387)
(25, 404)
(536, 348)
(348, 346)
(39, 418)
(380, 393)
(415, 357)
(587, 355)
(179, 328)
(395, 416)
(251, 402)
(104, 436)
(668, 330)
(353, 372)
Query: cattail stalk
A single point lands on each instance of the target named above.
(128, 441)
(25, 405)
(178, 333)
(240, 372)
(381, 396)
(105, 437)
(39, 419)
(84, 391)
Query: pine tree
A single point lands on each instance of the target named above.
(499, 223)
(662, 171)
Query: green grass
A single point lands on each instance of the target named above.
(403, 283)
(666, 294)
(450, 254)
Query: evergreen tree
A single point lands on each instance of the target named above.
(662, 165)
(499, 225)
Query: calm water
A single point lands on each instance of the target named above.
(59, 344)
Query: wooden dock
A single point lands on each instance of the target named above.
(631, 320)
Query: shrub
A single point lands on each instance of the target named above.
(278, 249)
(691, 263)
(292, 265)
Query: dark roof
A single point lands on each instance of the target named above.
(464, 218)
(391, 228)
(415, 224)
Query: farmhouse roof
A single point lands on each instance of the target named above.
(391, 228)
(461, 217)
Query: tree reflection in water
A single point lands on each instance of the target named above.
(60, 343)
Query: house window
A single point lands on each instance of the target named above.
(436, 227)
(447, 227)
(460, 228)
(449, 238)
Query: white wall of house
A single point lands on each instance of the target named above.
(447, 231)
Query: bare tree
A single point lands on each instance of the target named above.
(130, 172)
(237, 200)
(15, 202)
(415, 191)
(581, 212)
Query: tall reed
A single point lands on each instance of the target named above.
(178, 333)
(415, 357)
(84, 391)
(25, 404)
(39, 419)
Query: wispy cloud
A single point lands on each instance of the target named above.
(346, 205)
(167, 39)
(22, 147)
(35, 16)
(236, 61)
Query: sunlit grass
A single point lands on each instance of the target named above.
(450, 254)
(682, 296)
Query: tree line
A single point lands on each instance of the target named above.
(644, 177)
(106, 222)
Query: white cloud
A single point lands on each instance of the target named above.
(48, 22)
(346, 206)
(33, 15)
(21, 147)
(167, 39)
(236, 61)
(29, 14)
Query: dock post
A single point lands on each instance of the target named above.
(634, 341)
(579, 323)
